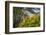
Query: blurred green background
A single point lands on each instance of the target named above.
(27, 21)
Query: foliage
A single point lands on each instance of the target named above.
(16, 16)
(33, 21)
